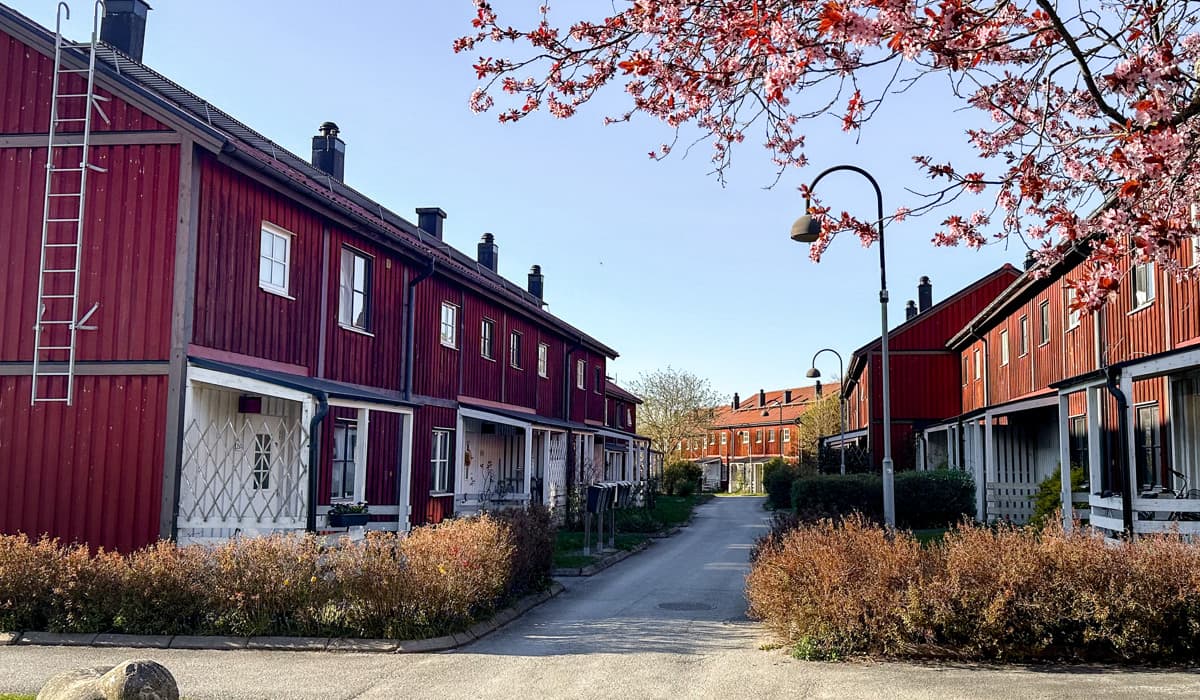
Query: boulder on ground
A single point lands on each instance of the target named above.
(136, 679)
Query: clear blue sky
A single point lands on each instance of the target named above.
(656, 259)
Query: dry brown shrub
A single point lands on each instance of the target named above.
(166, 590)
(87, 590)
(29, 572)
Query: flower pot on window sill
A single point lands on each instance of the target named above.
(348, 519)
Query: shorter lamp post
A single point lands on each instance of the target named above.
(814, 373)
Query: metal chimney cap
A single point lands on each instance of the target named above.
(535, 270)
(329, 129)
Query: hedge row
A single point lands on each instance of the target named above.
(992, 594)
(924, 499)
(432, 581)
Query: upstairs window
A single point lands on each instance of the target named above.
(543, 360)
(1023, 340)
(598, 387)
(977, 364)
(758, 436)
(449, 325)
(1044, 313)
(966, 369)
(514, 349)
(354, 296)
(487, 338)
(724, 438)
(274, 259)
(580, 368)
(1073, 313)
(1143, 284)
(787, 434)
(1004, 347)
(771, 435)
(745, 437)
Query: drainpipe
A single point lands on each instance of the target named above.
(410, 324)
(314, 456)
(1111, 374)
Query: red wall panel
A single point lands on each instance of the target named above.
(127, 262)
(91, 472)
(25, 89)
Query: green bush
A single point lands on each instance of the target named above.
(830, 590)
(778, 477)
(432, 581)
(1048, 499)
(681, 478)
(923, 499)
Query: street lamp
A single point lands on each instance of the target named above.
(814, 373)
(807, 230)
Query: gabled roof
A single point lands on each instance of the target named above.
(858, 359)
(750, 413)
(611, 389)
(239, 141)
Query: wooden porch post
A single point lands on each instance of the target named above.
(363, 429)
(404, 510)
(990, 468)
(528, 460)
(1064, 459)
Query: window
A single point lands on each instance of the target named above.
(1023, 348)
(261, 471)
(345, 444)
(439, 461)
(1004, 347)
(514, 349)
(629, 417)
(1143, 284)
(274, 259)
(966, 370)
(745, 437)
(543, 360)
(1148, 447)
(758, 436)
(354, 296)
(1072, 310)
(449, 325)
(1078, 442)
(487, 339)
(787, 434)
(977, 365)
(598, 386)
(771, 435)
(724, 438)
(580, 368)
(1044, 313)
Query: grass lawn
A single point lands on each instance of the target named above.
(931, 536)
(568, 548)
(674, 510)
(10, 696)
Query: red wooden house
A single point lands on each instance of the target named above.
(1114, 392)
(925, 374)
(263, 341)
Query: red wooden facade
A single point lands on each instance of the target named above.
(741, 432)
(172, 255)
(925, 374)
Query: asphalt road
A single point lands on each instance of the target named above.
(667, 623)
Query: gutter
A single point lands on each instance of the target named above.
(410, 324)
(314, 457)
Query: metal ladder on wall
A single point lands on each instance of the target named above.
(57, 315)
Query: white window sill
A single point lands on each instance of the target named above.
(355, 329)
(440, 494)
(276, 291)
(515, 367)
(1142, 307)
(448, 345)
(489, 359)
(543, 376)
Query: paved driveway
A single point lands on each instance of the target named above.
(667, 623)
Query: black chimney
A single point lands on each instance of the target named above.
(787, 395)
(430, 219)
(1030, 259)
(489, 252)
(737, 403)
(762, 398)
(924, 294)
(537, 282)
(910, 309)
(329, 152)
(124, 26)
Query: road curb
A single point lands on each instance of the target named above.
(336, 644)
(604, 563)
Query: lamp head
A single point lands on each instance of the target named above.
(806, 229)
(813, 373)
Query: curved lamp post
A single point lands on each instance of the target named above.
(807, 230)
(814, 373)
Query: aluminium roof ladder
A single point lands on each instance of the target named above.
(57, 315)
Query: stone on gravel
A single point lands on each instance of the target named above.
(136, 679)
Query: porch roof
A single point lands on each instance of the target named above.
(332, 389)
(532, 418)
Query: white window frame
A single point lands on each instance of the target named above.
(978, 368)
(348, 289)
(745, 437)
(581, 374)
(440, 462)
(966, 369)
(758, 436)
(771, 435)
(543, 360)
(787, 434)
(487, 339)
(514, 349)
(1073, 315)
(448, 325)
(724, 438)
(1023, 336)
(1142, 273)
(340, 496)
(1004, 347)
(1044, 322)
(275, 233)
